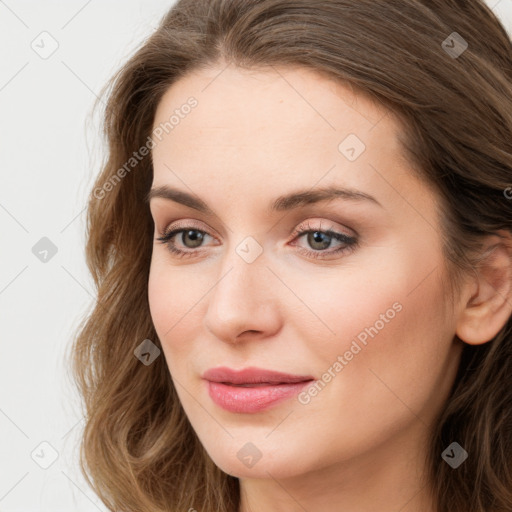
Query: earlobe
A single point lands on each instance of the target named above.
(490, 306)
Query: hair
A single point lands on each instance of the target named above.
(138, 450)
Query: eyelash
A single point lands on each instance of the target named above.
(304, 229)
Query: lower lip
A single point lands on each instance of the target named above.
(252, 399)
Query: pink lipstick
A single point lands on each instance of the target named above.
(252, 389)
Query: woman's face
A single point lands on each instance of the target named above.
(357, 304)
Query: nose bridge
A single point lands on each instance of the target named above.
(244, 269)
(241, 279)
(243, 298)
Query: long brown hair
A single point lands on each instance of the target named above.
(138, 450)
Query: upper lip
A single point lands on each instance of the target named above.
(252, 375)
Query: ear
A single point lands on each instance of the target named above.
(490, 303)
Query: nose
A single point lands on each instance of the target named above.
(243, 304)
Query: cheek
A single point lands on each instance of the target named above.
(390, 326)
(177, 297)
(394, 368)
(396, 350)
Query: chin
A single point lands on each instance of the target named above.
(242, 461)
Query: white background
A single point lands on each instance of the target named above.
(50, 152)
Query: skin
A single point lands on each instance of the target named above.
(255, 135)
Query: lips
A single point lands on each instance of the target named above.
(252, 376)
(252, 389)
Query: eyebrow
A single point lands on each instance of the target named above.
(285, 202)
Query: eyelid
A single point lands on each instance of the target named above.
(306, 226)
(303, 226)
(184, 224)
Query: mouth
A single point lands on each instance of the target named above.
(252, 375)
(253, 389)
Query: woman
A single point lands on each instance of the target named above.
(301, 242)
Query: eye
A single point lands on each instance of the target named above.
(317, 238)
(320, 239)
(189, 236)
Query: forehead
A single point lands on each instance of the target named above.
(255, 131)
(267, 101)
